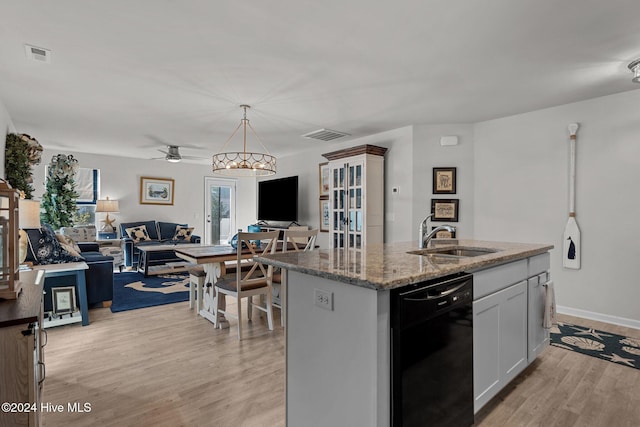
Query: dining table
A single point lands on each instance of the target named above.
(212, 258)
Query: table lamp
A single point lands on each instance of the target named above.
(28, 217)
(107, 206)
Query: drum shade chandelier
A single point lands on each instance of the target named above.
(244, 163)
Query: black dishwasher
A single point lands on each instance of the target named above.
(432, 353)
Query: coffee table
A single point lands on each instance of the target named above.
(160, 259)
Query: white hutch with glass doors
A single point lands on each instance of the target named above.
(356, 195)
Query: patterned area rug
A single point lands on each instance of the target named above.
(603, 345)
(131, 290)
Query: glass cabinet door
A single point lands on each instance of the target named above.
(356, 205)
(338, 205)
(347, 205)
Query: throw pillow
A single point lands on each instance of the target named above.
(49, 251)
(183, 233)
(138, 234)
(69, 245)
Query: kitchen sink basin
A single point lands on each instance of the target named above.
(456, 251)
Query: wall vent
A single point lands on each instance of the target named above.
(325, 134)
(39, 54)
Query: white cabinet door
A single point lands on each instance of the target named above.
(347, 203)
(538, 335)
(486, 349)
(337, 195)
(513, 331)
(499, 341)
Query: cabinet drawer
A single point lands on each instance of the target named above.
(488, 281)
(539, 263)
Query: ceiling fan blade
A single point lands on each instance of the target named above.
(195, 158)
(162, 151)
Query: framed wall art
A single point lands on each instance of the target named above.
(156, 191)
(444, 180)
(324, 173)
(64, 299)
(325, 215)
(444, 210)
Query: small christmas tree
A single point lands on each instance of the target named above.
(59, 200)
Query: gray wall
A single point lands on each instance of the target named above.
(120, 179)
(521, 194)
(398, 172)
(427, 154)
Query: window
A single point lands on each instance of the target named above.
(87, 185)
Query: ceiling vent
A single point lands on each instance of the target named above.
(325, 134)
(38, 54)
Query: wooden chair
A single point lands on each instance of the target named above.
(246, 284)
(297, 241)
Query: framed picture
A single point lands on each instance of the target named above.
(156, 191)
(323, 178)
(445, 210)
(444, 234)
(325, 215)
(444, 180)
(64, 299)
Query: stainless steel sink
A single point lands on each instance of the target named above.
(456, 251)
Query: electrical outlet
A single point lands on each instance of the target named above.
(323, 299)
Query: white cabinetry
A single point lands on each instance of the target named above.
(499, 329)
(507, 323)
(538, 277)
(356, 195)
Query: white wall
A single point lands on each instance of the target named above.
(120, 179)
(398, 172)
(521, 194)
(6, 126)
(427, 154)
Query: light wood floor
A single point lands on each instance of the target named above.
(163, 366)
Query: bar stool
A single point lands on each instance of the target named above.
(197, 276)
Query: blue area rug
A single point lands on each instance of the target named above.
(131, 290)
(603, 345)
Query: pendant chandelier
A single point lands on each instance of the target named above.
(244, 163)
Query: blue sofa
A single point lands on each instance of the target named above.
(99, 276)
(160, 233)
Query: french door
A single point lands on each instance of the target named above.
(219, 210)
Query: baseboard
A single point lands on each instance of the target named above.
(629, 323)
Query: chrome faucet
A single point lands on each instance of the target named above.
(424, 238)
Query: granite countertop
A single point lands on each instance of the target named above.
(387, 266)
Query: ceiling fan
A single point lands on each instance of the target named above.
(172, 154)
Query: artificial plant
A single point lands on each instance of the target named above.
(59, 201)
(21, 153)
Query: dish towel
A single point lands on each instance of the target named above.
(549, 306)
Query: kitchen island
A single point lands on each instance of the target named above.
(338, 338)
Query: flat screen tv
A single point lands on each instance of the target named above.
(278, 199)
